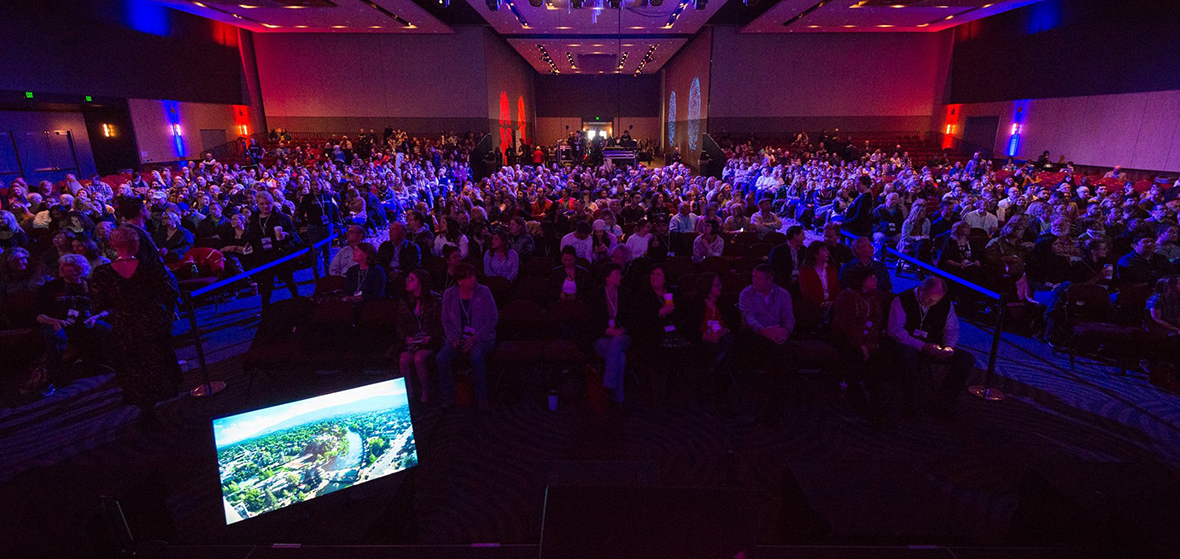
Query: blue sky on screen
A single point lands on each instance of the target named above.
(383, 395)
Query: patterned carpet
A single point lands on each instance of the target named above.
(481, 477)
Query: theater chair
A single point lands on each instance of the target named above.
(209, 264)
(538, 266)
(520, 337)
(1091, 327)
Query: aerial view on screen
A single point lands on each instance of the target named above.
(286, 454)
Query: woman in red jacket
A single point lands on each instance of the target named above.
(818, 279)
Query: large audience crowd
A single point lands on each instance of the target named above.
(675, 270)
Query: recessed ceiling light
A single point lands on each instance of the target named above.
(270, 26)
(942, 7)
(628, 45)
(636, 27)
(952, 16)
(849, 26)
(813, 27)
(374, 27)
(575, 44)
(294, 7)
(564, 27)
(924, 25)
(897, 6)
(988, 5)
(200, 5)
(246, 6)
(884, 25)
(339, 26)
(300, 27)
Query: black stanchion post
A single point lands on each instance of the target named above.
(315, 258)
(208, 388)
(985, 390)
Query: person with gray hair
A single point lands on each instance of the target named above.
(923, 330)
(172, 238)
(65, 315)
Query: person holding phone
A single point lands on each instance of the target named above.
(923, 330)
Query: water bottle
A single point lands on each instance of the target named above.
(553, 400)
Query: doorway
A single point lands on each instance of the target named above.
(597, 129)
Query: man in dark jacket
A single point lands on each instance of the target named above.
(858, 218)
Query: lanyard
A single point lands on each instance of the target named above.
(360, 280)
(612, 306)
(465, 308)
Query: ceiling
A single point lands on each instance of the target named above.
(317, 16)
(875, 16)
(573, 55)
(549, 33)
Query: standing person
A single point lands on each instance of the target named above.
(139, 298)
(858, 218)
(271, 235)
(469, 319)
(320, 211)
(419, 326)
(923, 330)
(135, 213)
(611, 318)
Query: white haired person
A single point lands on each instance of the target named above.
(65, 315)
(11, 233)
(272, 235)
(172, 238)
(139, 300)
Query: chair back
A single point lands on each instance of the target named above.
(1088, 303)
(521, 319)
(329, 284)
(500, 287)
(538, 266)
(210, 261)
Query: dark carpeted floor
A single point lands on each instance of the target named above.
(481, 476)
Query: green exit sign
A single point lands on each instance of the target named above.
(89, 98)
(28, 95)
(597, 118)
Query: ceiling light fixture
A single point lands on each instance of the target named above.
(676, 14)
(270, 26)
(884, 25)
(246, 6)
(813, 27)
(300, 27)
(924, 25)
(895, 6)
(339, 26)
(200, 5)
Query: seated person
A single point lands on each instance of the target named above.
(1093, 266)
(819, 281)
(706, 327)
(923, 330)
(708, 243)
(569, 280)
(1143, 265)
(640, 239)
(399, 254)
(500, 260)
(469, 319)
(838, 253)
(172, 239)
(1005, 259)
(602, 242)
(19, 275)
(766, 311)
(1166, 242)
(887, 221)
(958, 256)
(65, 316)
(610, 318)
(365, 280)
(1051, 256)
(342, 260)
(764, 220)
(863, 250)
(857, 327)
(787, 259)
(419, 326)
(521, 241)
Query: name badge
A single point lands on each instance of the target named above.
(868, 324)
(72, 313)
(468, 331)
(324, 219)
(357, 294)
(267, 244)
(669, 328)
(920, 334)
(714, 326)
(610, 323)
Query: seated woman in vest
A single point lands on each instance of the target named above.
(923, 330)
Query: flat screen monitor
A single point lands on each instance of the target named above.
(286, 454)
